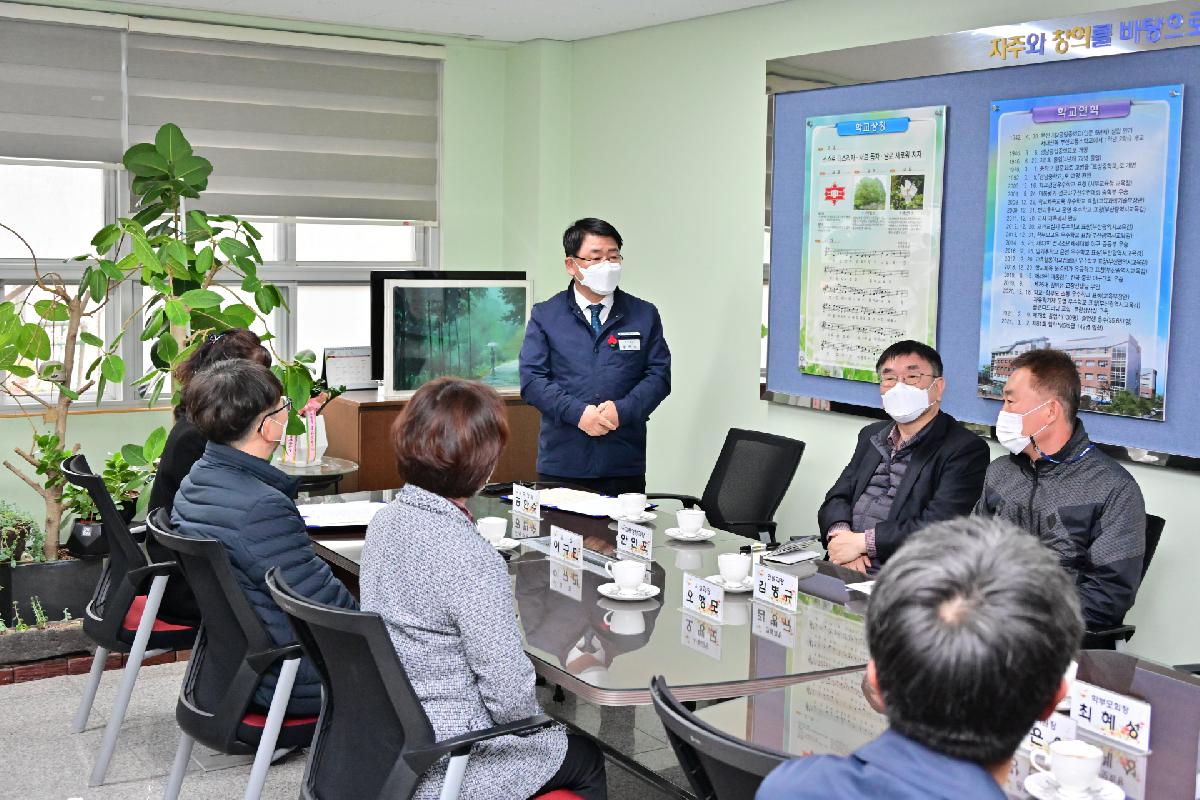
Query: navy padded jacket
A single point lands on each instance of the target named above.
(246, 504)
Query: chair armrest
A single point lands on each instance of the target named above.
(461, 745)
(1192, 668)
(688, 500)
(761, 524)
(1119, 633)
(138, 576)
(262, 661)
(138, 532)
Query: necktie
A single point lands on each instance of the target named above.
(596, 309)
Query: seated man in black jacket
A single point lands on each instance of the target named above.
(922, 468)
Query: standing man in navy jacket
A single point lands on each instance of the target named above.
(596, 364)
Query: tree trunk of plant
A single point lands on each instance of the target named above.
(54, 496)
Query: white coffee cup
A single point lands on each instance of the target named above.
(631, 504)
(492, 528)
(628, 575)
(625, 623)
(1075, 765)
(690, 519)
(735, 568)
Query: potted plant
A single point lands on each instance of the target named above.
(308, 448)
(180, 259)
(127, 475)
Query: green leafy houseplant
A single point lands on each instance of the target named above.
(182, 258)
(127, 475)
(20, 535)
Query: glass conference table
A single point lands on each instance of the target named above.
(606, 651)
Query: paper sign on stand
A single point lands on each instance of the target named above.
(526, 501)
(634, 540)
(524, 527)
(702, 598)
(1112, 716)
(775, 587)
(566, 545)
(774, 625)
(1046, 732)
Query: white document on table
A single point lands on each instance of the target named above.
(865, 587)
(580, 502)
(334, 515)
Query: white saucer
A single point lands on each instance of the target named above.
(645, 516)
(643, 592)
(701, 535)
(733, 588)
(1043, 786)
(628, 605)
(506, 544)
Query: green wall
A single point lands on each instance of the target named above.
(662, 132)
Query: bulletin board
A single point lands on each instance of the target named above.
(967, 97)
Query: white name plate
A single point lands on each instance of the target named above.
(566, 546)
(704, 599)
(526, 501)
(634, 540)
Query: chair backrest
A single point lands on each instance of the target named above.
(372, 719)
(220, 681)
(1154, 531)
(718, 766)
(750, 478)
(114, 593)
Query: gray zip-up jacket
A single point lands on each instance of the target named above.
(1088, 509)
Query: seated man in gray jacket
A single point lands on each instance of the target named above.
(1078, 501)
(232, 494)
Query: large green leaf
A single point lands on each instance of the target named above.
(91, 338)
(193, 170)
(52, 310)
(111, 270)
(233, 247)
(171, 144)
(97, 285)
(201, 298)
(113, 368)
(106, 238)
(150, 213)
(155, 442)
(295, 426)
(177, 252)
(176, 312)
(264, 298)
(204, 260)
(239, 315)
(20, 370)
(197, 221)
(145, 254)
(132, 454)
(166, 348)
(298, 385)
(154, 325)
(145, 161)
(306, 357)
(33, 341)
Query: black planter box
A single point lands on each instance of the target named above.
(59, 586)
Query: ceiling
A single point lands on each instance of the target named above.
(498, 20)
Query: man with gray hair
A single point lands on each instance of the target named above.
(971, 626)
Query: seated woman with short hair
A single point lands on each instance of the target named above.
(444, 594)
(232, 494)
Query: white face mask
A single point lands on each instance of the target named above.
(602, 277)
(905, 403)
(1010, 427)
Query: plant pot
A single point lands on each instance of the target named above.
(57, 639)
(87, 539)
(66, 584)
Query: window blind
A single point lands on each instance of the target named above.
(60, 92)
(295, 131)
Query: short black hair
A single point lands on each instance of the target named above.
(573, 236)
(225, 399)
(971, 624)
(1055, 372)
(911, 347)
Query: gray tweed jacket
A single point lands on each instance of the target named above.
(444, 594)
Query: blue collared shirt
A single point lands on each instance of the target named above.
(891, 766)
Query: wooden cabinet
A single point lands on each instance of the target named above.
(359, 426)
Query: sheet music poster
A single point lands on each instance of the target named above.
(872, 232)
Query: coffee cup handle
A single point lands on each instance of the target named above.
(608, 618)
(1038, 765)
(608, 569)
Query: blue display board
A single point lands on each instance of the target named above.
(968, 97)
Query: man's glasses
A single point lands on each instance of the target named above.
(911, 378)
(615, 258)
(287, 406)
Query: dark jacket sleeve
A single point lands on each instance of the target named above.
(1112, 572)
(537, 386)
(958, 484)
(839, 502)
(655, 384)
(184, 447)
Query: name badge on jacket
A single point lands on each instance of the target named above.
(629, 340)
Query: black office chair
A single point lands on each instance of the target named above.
(374, 739)
(747, 484)
(718, 766)
(1116, 638)
(122, 615)
(232, 653)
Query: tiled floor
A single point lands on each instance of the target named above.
(40, 759)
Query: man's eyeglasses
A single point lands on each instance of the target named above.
(615, 258)
(287, 406)
(911, 378)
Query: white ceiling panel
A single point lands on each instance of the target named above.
(507, 21)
